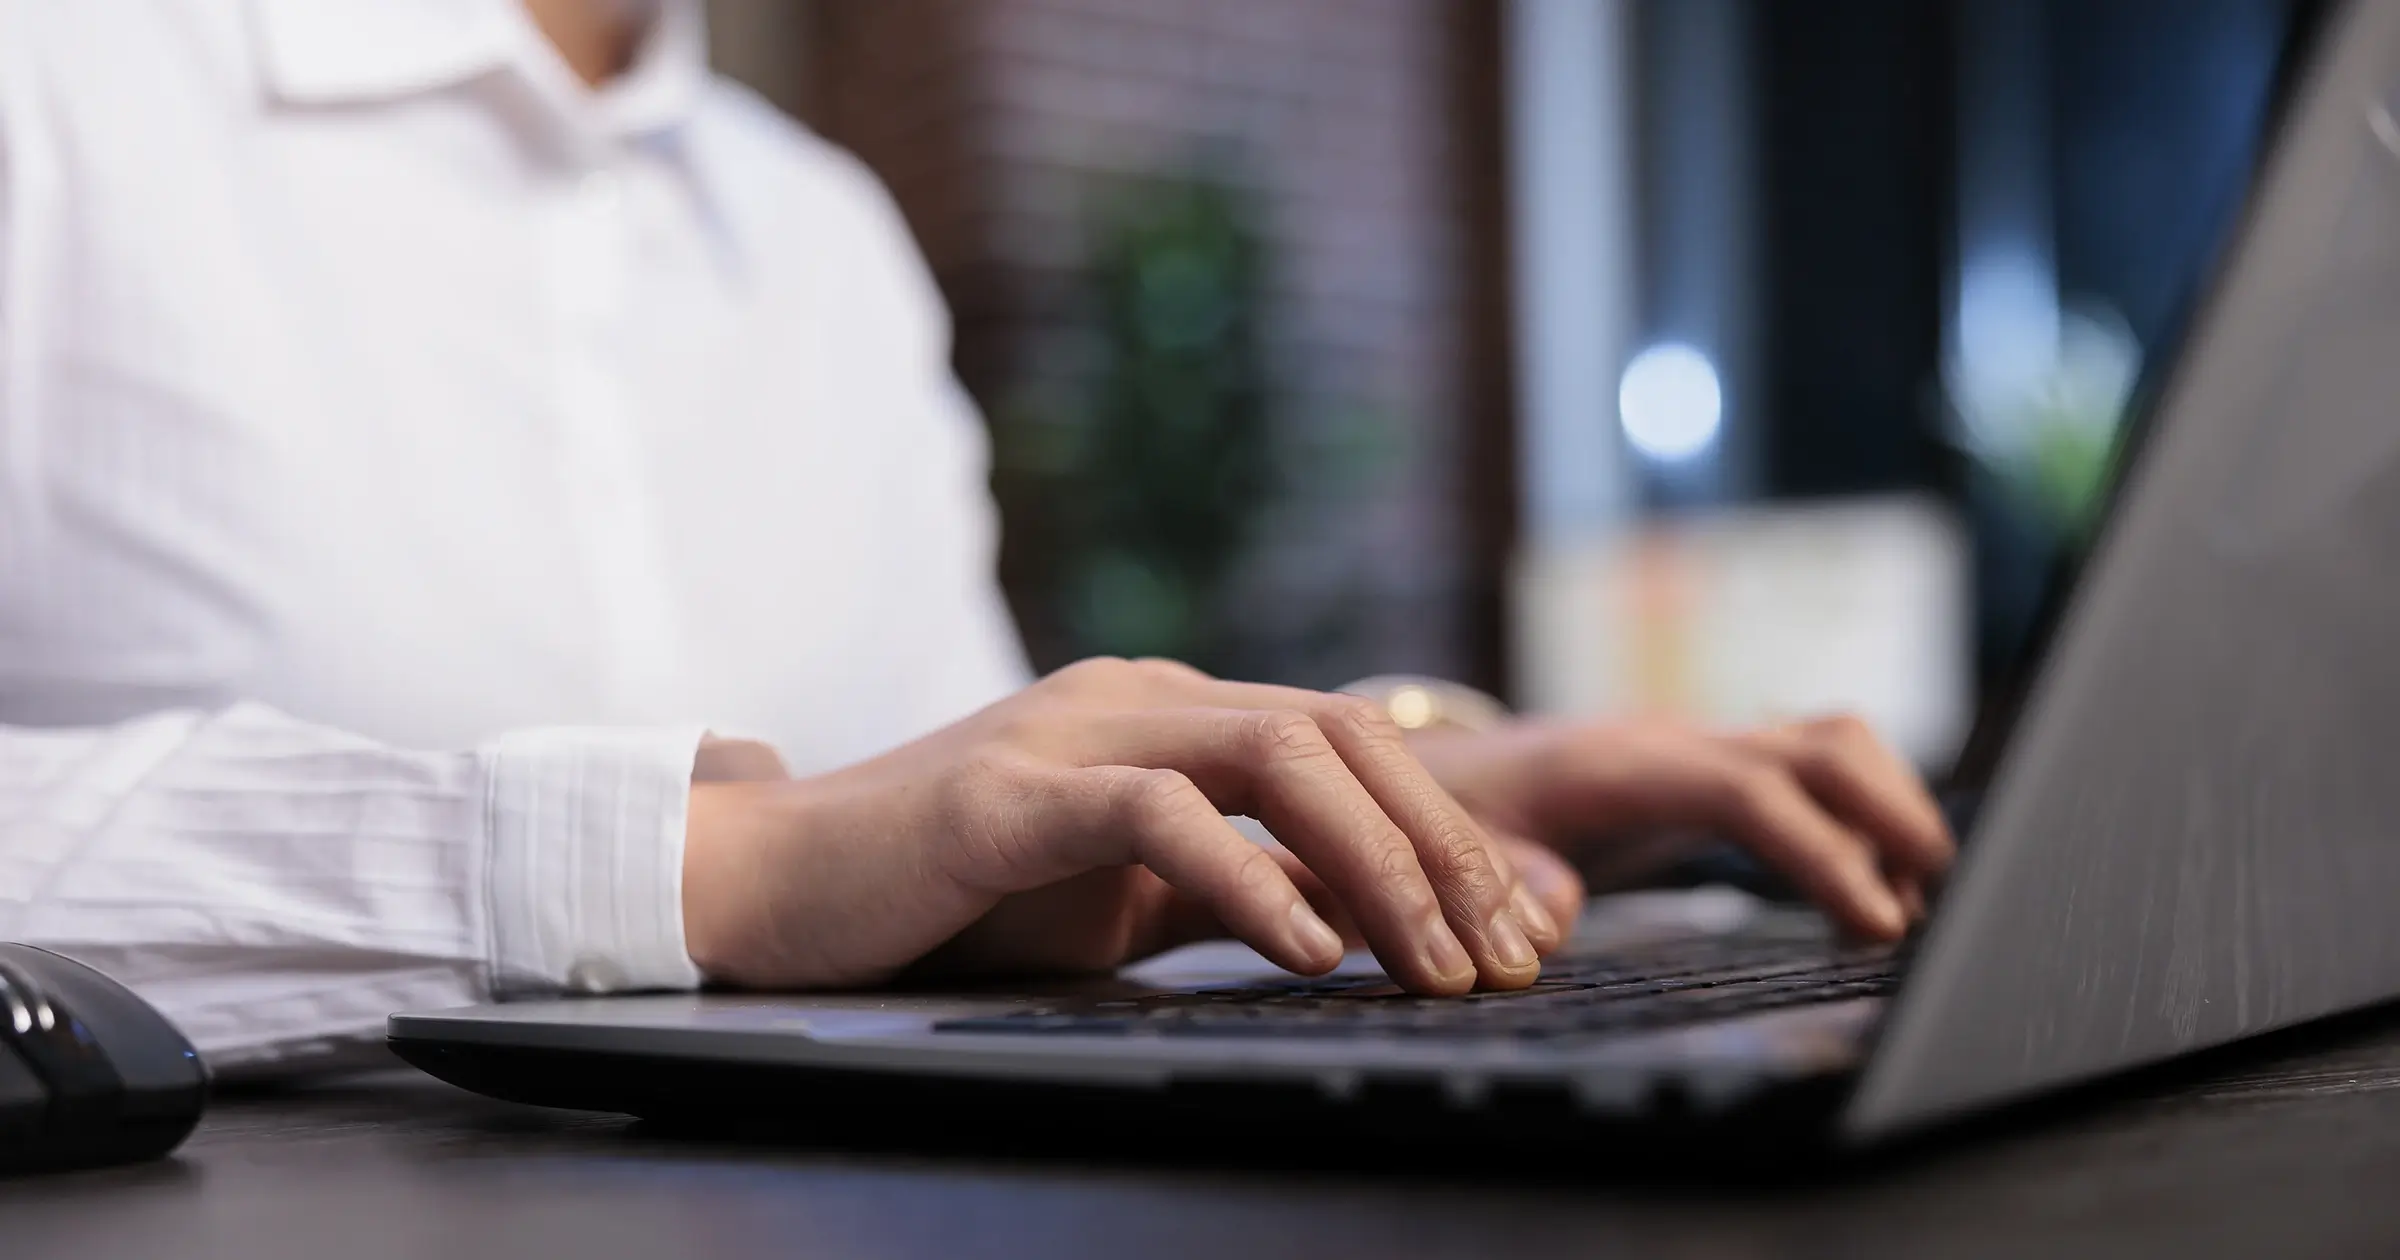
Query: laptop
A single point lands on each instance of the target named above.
(2189, 833)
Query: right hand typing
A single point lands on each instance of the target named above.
(1079, 825)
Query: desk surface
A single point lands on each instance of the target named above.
(2295, 1153)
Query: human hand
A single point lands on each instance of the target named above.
(1080, 824)
(1825, 802)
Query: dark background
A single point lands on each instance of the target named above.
(1231, 277)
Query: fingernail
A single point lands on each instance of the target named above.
(1318, 941)
(1509, 945)
(1446, 958)
(1537, 920)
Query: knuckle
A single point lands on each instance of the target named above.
(1152, 799)
(1092, 671)
(1255, 875)
(986, 806)
(1456, 845)
(1465, 866)
(1289, 734)
(1167, 669)
(1361, 718)
(1396, 873)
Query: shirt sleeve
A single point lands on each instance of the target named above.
(277, 888)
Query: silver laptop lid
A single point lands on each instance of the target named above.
(2194, 832)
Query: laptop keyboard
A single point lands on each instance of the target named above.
(1631, 990)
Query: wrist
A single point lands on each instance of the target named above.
(728, 826)
(811, 883)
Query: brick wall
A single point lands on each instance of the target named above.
(1362, 129)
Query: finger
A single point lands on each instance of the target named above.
(1534, 915)
(1475, 889)
(1114, 815)
(1487, 903)
(1911, 893)
(1551, 883)
(1477, 895)
(1328, 906)
(1860, 779)
(1550, 880)
(1460, 860)
(1763, 806)
(1279, 767)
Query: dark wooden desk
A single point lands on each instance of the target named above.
(2289, 1155)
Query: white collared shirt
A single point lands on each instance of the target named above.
(405, 453)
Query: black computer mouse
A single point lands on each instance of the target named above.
(89, 1073)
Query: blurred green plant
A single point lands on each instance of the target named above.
(1146, 481)
(2047, 439)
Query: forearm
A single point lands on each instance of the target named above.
(276, 887)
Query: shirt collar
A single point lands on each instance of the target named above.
(349, 51)
(340, 51)
(660, 91)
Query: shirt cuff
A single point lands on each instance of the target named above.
(584, 834)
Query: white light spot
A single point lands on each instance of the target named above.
(1412, 708)
(1670, 402)
(2008, 319)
